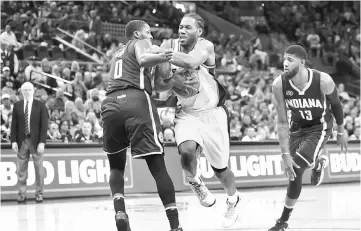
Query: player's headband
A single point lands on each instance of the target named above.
(297, 51)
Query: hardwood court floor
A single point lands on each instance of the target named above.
(328, 207)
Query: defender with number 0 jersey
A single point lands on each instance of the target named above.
(129, 115)
(125, 71)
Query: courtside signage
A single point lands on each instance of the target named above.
(64, 172)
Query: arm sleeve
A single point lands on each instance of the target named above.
(336, 106)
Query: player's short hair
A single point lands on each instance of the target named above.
(199, 19)
(132, 26)
(297, 51)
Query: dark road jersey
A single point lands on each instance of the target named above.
(309, 106)
(125, 71)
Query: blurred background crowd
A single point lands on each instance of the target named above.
(73, 41)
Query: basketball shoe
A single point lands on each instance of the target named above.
(279, 226)
(205, 197)
(318, 171)
(231, 215)
(122, 221)
(177, 229)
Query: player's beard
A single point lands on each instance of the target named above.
(292, 73)
(190, 42)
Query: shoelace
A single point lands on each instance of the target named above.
(230, 211)
(200, 190)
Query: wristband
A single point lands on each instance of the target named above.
(340, 133)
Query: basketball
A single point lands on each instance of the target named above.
(163, 70)
(183, 90)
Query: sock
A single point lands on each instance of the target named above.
(172, 214)
(286, 213)
(233, 199)
(118, 200)
(196, 179)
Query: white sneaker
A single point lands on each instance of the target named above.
(205, 197)
(231, 215)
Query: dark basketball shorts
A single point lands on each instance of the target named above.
(130, 119)
(307, 143)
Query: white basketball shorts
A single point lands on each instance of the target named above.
(209, 129)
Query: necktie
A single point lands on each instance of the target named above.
(27, 118)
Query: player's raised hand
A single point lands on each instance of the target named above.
(342, 139)
(169, 54)
(289, 164)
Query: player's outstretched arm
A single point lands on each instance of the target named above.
(328, 88)
(283, 129)
(145, 56)
(195, 58)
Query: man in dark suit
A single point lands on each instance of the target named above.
(28, 135)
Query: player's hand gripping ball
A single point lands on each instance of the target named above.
(164, 70)
(186, 83)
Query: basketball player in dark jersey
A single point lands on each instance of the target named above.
(312, 99)
(130, 119)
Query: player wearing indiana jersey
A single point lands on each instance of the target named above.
(312, 99)
(130, 119)
(201, 124)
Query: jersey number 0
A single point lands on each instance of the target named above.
(118, 71)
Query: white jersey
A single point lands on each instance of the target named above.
(208, 96)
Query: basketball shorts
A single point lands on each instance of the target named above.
(308, 143)
(130, 119)
(210, 130)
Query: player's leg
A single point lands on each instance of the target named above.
(115, 144)
(165, 187)
(146, 141)
(189, 142)
(117, 164)
(316, 141)
(304, 149)
(216, 149)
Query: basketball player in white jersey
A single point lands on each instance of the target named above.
(201, 123)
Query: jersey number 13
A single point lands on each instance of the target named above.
(306, 115)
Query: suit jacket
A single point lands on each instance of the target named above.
(38, 123)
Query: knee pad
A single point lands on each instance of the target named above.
(295, 187)
(217, 170)
(118, 160)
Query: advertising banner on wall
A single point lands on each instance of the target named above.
(84, 171)
(65, 174)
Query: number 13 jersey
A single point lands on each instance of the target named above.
(308, 107)
(125, 71)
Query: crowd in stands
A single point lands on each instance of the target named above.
(329, 28)
(74, 106)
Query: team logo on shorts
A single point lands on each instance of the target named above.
(289, 93)
(160, 137)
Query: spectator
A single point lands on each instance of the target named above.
(6, 107)
(10, 59)
(85, 135)
(79, 87)
(329, 52)
(29, 76)
(251, 134)
(66, 136)
(93, 103)
(9, 37)
(313, 40)
(53, 132)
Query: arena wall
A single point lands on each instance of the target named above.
(83, 169)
